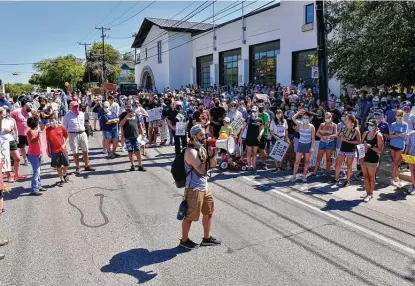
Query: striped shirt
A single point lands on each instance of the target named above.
(305, 134)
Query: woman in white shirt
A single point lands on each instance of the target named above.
(8, 131)
(279, 131)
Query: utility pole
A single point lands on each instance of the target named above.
(322, 52)
(86, 59)
(104, 76)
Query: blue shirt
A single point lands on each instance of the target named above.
(5, 102)
(383, 127)
(106, 117)
(390, 116)
(398, 128)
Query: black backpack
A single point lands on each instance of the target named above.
(178, 171)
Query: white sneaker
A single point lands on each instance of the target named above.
(363, 196)
(394, 182)
(304, 179)
(293, 179)
(104, 150)
(399, 183)
(122, 149)
(368, 198)
(411, 190)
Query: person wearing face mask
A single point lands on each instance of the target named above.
(20, 116)
(349, 137)
(253, 136)
(279, 131)
(374, 143)
(408, 117)
(217, 114)
(8, 131)
(177, 115)
(398, 132)
(305, 144)
(327, 134)
(109, 121)
(57, 138)
(74, 123)
(4, 101)
(197, 161)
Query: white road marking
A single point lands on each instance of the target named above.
(341, 220)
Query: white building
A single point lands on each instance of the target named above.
(265, 46)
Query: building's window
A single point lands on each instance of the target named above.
(228, 70)
(203, 70)
(301, 68)
(146, 53)
(159, 51)
(263, 63)
(309, 13)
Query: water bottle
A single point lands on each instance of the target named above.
(182, 210)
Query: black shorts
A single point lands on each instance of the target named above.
(395, 148)
(22, 142)
(59, 160)
(13, 145)
(262, 143)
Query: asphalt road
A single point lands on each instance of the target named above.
(116, 227)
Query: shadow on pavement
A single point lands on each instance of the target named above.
(399, 195)
(15, 193)
(130, 262)
(342, 205)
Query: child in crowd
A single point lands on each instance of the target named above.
(226, 129)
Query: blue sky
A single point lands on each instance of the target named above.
(31, 31)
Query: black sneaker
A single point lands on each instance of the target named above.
(188, 244)
(334, 181)
(211, 241)
(60, 184)
(77, 171)
(132, 168)
(141, 169)
(66, 178)
(261, 164)
(345, 184)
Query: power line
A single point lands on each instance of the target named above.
(134, 15)
(86, 59)
(119, 17)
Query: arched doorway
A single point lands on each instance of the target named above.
(147, 78)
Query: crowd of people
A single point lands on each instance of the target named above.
(319, 134)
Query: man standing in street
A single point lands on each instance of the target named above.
(177, 116)
(74, 122)
(132, 129)
(20, 115)
(197, 161)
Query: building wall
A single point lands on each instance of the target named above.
(160, 71)
(180, 59)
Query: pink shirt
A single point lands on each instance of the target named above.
(21, 121)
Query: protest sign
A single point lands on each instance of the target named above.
(279, 150)
(237, 125)
(313, 160)
(408, 159)
(313, 156)
(5, 154)
(164, 130)
(361, 151)
(261, 96)
(180, 128)
(110, 86)
(154, 114)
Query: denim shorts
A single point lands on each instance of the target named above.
(326, 146)
(111, 134)
(303, 147)
(132, 145)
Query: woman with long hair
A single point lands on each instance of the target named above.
(327, 132)
(374, 143)
(398, 132)
(349, 138)
(305, 144)
(279, 131)
(253, 135)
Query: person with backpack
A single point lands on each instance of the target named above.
(197, 161)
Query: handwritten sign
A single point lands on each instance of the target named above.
(313, 160)
(408, 159)
(154, 114)
(5, 154)
(164, 131)
(263, 97)
(237, 125)
(180, 128)
(279, 150)
(110, 86)
(361, 151)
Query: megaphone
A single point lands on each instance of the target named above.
(226, 144)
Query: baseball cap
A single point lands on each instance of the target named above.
(254, 109)
(196, 129)
(372, 122)
(227, 119)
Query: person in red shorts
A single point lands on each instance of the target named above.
(57, 138)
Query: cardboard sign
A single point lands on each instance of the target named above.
(237, 124)
(164, 130)
(261, 96)
(97, 91)
(279, 150)
(5, 154)
(408, 159)
(110, 86)
(154, 114)
(181, 129)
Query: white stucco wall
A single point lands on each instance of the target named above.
(180, 59)
(160, 71)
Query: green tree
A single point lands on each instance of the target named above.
(55, 72)
(112, 56)
(372, 42)
(18, 88)
(128, 56)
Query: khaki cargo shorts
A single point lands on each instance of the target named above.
(199, 202)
